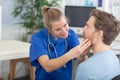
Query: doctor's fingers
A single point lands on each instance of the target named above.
(84, 41)
(84, 46)
(86, 51)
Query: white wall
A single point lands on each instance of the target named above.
(7, 8)
(0, 33)
(115, 8)
(8, 21)
(15, 30)
(0, 22)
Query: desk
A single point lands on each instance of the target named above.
(13, 50)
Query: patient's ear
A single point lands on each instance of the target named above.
(100, 33)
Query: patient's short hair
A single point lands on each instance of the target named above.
(107, 23)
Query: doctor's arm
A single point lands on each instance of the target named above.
(52, 64)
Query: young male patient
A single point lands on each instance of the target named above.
(101, 28)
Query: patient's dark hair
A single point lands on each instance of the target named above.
(107, 23)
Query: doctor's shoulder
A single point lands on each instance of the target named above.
(41, 34)
(71, 33)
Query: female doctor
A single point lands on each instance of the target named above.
(51, 48)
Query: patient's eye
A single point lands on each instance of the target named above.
(65, 24)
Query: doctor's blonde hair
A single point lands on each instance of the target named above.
(51, 14)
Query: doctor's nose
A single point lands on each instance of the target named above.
(64, 30)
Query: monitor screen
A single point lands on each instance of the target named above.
(78, 15)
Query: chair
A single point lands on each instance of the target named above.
(116, 78)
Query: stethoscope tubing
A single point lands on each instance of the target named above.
(50, 43)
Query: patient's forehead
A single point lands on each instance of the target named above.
(91, 21)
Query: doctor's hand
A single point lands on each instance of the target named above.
(80, 49)
(83, 56)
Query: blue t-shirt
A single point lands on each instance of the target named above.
(101, 66)
(39, 46)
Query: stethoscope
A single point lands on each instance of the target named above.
(51, 44)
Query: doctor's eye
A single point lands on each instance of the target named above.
(58, 29)
(66, 25)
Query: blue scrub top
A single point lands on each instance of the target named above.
(39, 47)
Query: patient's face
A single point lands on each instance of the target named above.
(89, 29)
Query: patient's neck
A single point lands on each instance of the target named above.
(99, 47)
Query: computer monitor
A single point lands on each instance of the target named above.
(78, 16)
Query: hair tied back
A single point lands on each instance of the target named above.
(47, 9)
